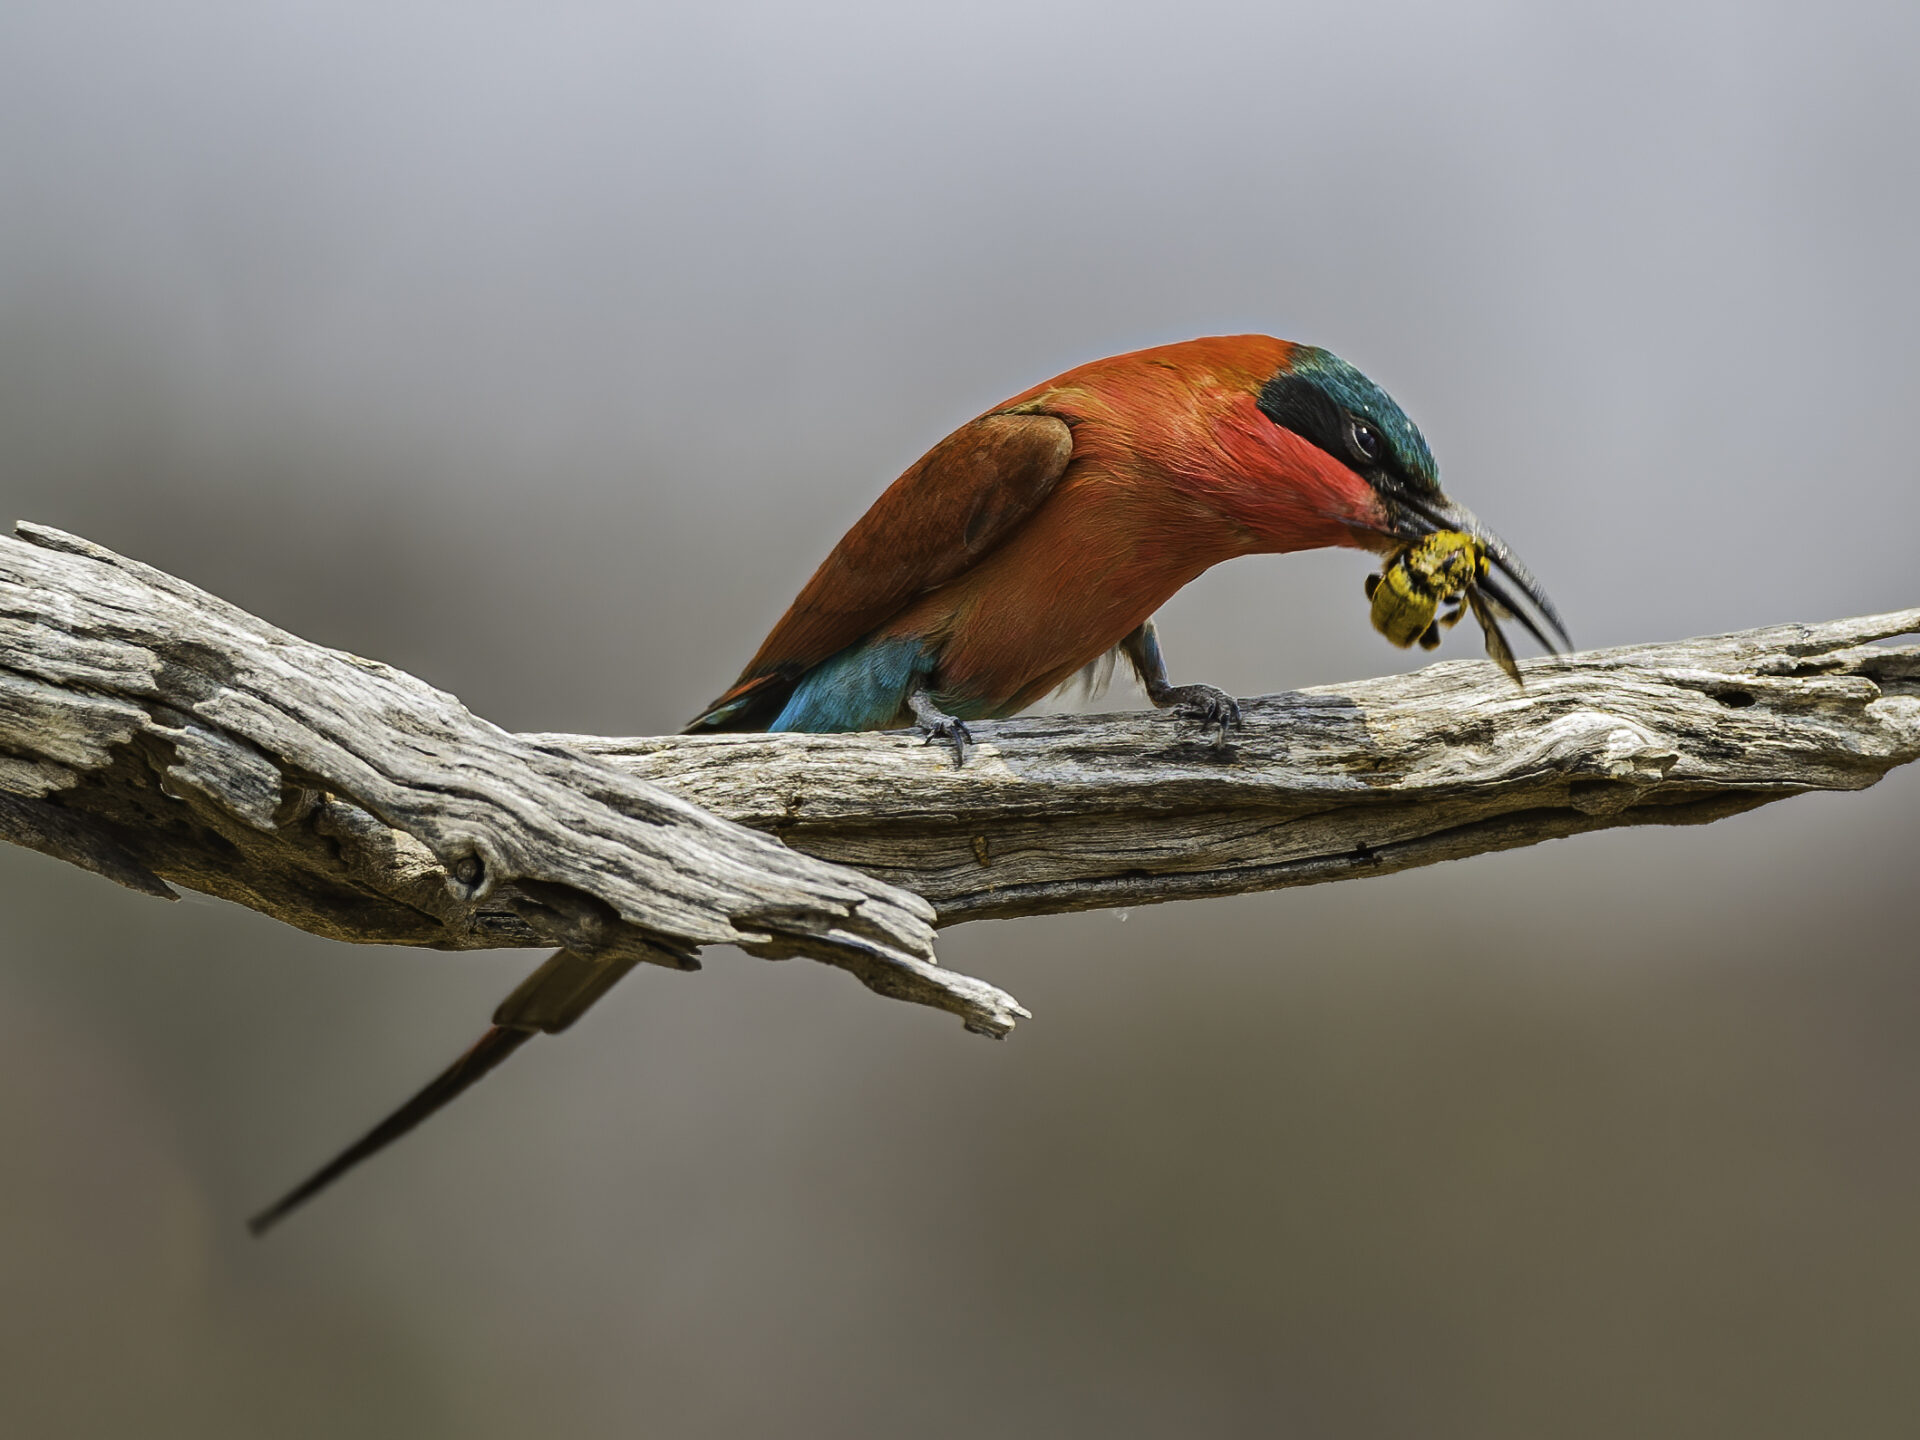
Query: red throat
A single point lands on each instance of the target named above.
(1287, 492)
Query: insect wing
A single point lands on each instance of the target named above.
(1497, 648)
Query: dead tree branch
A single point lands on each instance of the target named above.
(154, 734)
(1062, 813)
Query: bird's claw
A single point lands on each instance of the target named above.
(954, 731)
(929, 718)
(1209, 705)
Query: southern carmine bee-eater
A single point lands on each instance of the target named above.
(1044, 534)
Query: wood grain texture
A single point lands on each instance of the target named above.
(157, 735)
(153, 733)
(1076, 812)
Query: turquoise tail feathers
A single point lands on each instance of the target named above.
(864, 687)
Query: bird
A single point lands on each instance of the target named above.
(1041, 536)
(1032, 542)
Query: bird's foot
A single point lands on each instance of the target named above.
(954, 732)
(938, 725)
(1208, 704)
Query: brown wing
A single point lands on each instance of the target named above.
(952, 507)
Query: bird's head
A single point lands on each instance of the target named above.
(1340, 439)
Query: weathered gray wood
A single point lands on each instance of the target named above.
(154, 733)
(1075, 812)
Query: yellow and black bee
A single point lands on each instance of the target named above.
(1447, 567)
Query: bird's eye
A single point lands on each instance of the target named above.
(1365, 440)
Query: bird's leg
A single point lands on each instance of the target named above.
(1205, 703)
(939, 725)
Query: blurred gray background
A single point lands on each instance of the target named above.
(543, 350)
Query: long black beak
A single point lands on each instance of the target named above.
(1421, 515)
